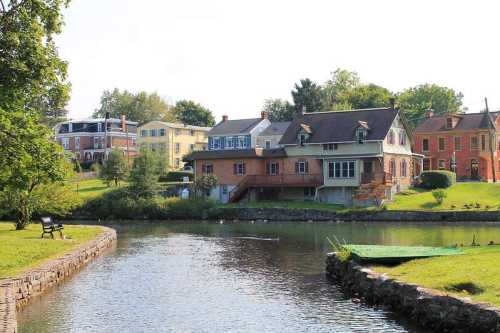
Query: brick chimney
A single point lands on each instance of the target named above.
(429, 113)
(264, 115)
(225, 118)
(124, 124)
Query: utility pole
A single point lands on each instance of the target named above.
(493, 145)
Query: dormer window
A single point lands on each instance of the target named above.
(361, 135)
(304, 133)
(449, 123)
(302, 138)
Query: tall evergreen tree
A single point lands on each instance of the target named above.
(307, 95)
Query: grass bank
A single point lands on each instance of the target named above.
(21, 250)
(90, 188)
(461, 196)
(476, 274)
(286, 204)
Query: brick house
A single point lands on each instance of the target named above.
(86, 139)
(350, 157)
(465, 143)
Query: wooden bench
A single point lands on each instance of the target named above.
(49, 227)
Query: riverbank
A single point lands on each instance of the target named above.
(430, 308)
(56, 260)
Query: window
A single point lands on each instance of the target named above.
(191, 147)
(77, 143)
(242, 142)
(392, 167)
(458, 143)
(341, 169)
(239, 168)
(390, 137)
(302, 139)
(273, 168)
(449, 123)
(425, 144)
(330, 146)
(230, 142)
(153, 132)
(224, 189)
(426, 164)
(99, 127)
(301, 167)
(361, 135)
(177, 148)
(207, 169)
(402, 138)
(441, 144)
(191, 132)
(403, 168)
(268, 144)
(144, 133)
(216, 143)
(162, 132)
(177, 131)
(442, 164)
(474, 143)
(65, 143)
(483, 142)
(177, 163)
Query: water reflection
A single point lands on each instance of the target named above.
(204, 278)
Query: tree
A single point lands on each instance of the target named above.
(192, 113)
(145, 173)
(279, 109)
(307, 94)
(30, 160)
(141, 107)
(365, 96)
(204, 184)
(115, 168)
(415, 101)
(341, 82)
(32, 76)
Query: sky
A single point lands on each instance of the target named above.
(232, 55)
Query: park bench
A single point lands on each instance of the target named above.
(49, 227)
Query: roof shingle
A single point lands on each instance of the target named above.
(237, 126)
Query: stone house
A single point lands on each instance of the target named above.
(467, 143)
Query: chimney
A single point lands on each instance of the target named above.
(263, 115)
(225, 118)
(429, 113)
(124, 124)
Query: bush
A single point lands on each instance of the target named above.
(437, 179)
(188, 209)
(439, 195)
(177, 176)
(95, 167)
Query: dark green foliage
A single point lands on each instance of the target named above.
(437, 179)
(192, 113)
(145, 174)
(365, 96)
(177, 176)
(115, 168)
(189, 209)
(307, 96)
(279, 109)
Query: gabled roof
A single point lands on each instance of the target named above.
(237, 126)
(341, 126)
(177, 125)
(276, 128)
(468, 121)
(235, 153)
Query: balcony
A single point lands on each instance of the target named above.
(378, 177)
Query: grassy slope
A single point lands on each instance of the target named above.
(458, 195)
(90, 188)
(24, 249)
(287, 204)
(479, 266)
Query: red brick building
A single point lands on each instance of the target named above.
(89, 141)
(465, 143)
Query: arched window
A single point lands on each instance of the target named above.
(392, 167)
(404, 168)
(390, 137)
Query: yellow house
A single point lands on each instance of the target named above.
(172, 140)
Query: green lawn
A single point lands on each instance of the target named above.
(460, 194)
(476, 274)
(25, 249)
(90, 188)
(287, 204)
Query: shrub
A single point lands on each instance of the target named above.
(176, 176)
(188, 209)
(438, 179)
(95, 167)
(439, 195)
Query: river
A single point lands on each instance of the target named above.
(211, 277)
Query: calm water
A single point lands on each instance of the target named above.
(205, 278)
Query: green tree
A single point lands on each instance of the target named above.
(340, 83)
(145, 174)
(30, 160)
(415, 101)
(192, 113)
(32, 76)
(279, 109)
(115, 168)
(365, 96)
(141, 107)
(204, 185)
(307, 94)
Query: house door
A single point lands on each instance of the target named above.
(474, 169)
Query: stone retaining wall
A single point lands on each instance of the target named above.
(429, 308)
(17, 292)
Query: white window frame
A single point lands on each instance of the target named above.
(65, 143)
(77, 143)
(339, 166)
(162, 132)
(302, 167)
(177, 147)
